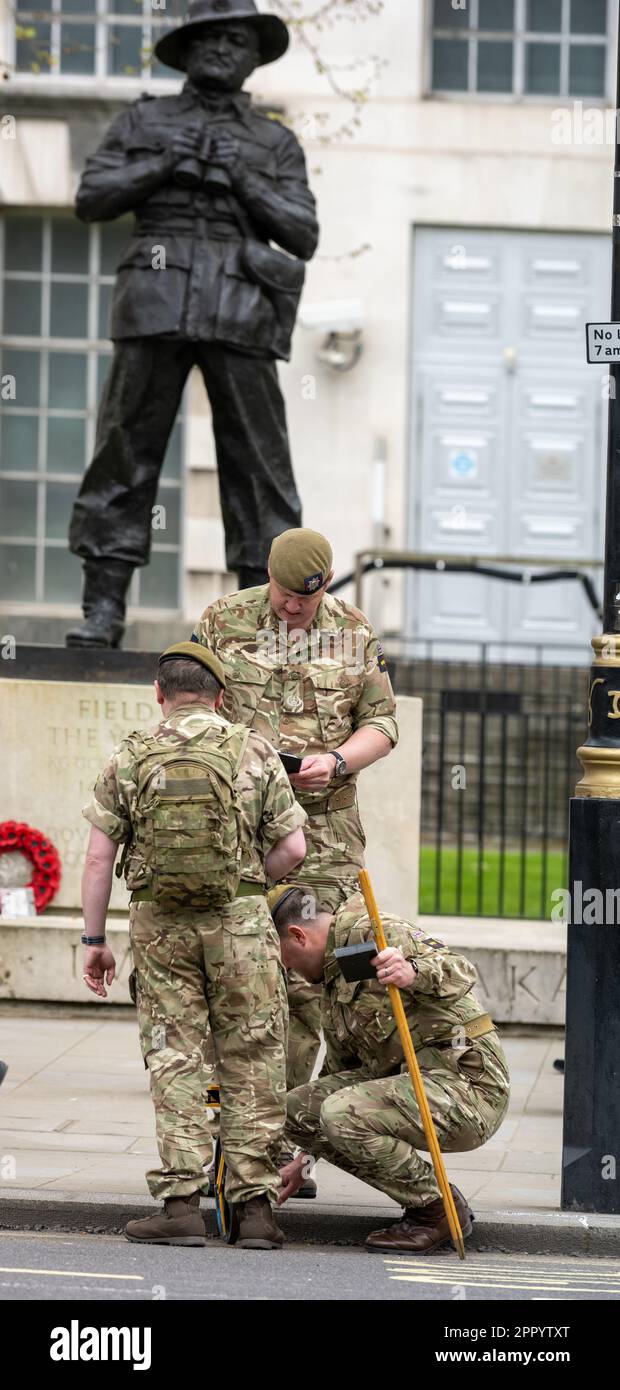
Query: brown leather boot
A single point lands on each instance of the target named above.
(180, 1223)
(253, 1226)
(422, 1230)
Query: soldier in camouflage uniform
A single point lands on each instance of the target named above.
(361, 1114)
(306, 671)
(202, 970)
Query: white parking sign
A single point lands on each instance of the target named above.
(603, 342)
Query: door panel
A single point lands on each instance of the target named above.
(509, 422)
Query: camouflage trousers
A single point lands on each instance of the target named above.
(373, 1129)
(219, 972)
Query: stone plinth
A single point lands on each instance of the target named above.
(521, 964)
(59, 735)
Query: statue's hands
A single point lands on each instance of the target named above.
(226, 152)
(185, 143)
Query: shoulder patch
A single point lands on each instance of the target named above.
(381, 661)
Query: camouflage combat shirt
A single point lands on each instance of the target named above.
(306, 692)
(357, 1018)
(268, 810)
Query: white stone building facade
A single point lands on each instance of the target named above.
(465, 226)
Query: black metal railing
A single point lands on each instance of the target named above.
(499, 766)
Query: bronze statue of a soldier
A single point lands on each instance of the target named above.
(211, 183)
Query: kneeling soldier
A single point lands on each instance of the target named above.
(361, 1114)
(199, 804)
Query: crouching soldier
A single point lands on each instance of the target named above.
(361, 1114)
(204, 808)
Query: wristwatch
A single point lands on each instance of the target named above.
(93, 940)
(341, 766)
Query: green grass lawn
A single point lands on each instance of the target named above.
(498, 900)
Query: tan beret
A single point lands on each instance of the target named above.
(300, 560)
(276, 896)
(194, 651)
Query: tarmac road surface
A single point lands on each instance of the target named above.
(106, 1268)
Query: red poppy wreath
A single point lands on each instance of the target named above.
(14, 835)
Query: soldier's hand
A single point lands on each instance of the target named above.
(294, 1176)
(316, 772)
(393, 969)
(99, 966)
(225, 151)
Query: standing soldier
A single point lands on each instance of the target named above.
(361, 1114)
(306, 670)
(199, 804)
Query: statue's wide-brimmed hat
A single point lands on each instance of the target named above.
(271, 31)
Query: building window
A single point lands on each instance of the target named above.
(525, 48)
(92, 38)
(56, 285)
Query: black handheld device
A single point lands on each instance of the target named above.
(354, 961)
(289, 762)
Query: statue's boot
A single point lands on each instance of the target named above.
(250, 578)
(103, 603)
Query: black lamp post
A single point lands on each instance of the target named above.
(591, 1149)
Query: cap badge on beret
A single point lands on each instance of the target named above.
(313, 582)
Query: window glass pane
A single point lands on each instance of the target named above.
(494, 66)
(79, 6)
(67, 381)
(151, 63)
(159, 581)
(544, 16)
(32, 50)
(25, 368)
(22, 308)
(172, 461)
(77, 48)
(496, 14)
(20, 439)
(586, 71)
(166, 518)
(17, 572)
(18, 508)
(105, 302)
(68, 310)
(445, 16)
(62, 579)
(131, 7)
(450, 65)
(114, 237)
(103, 366)
(59, 499)
(23, 243)
(124, 50)
(588, 16)
(66, 445)
(69, 247)
(542, 68)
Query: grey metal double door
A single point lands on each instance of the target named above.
(508, 426)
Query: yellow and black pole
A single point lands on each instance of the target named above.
(415, 1073)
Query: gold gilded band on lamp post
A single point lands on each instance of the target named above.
(599, 757)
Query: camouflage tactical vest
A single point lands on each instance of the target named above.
(186, 827)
